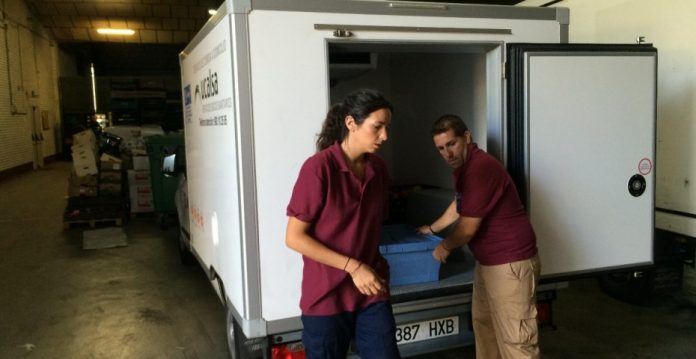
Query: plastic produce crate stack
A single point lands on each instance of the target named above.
(110, 176)
(140, 186)
(409, 254)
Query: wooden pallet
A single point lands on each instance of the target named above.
(137, 215)
(93, 211)
(98, 201)
(68, 223)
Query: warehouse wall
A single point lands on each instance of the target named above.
(28, 87)
(670, 27)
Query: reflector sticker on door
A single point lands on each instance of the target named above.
(645, 166)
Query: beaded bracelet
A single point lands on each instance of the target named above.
(356, 269)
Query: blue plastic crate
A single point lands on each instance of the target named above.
(409, 254)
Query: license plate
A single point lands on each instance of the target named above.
(428, 329)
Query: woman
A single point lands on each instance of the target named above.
(335, 215)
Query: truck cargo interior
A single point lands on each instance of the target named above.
(423, 81)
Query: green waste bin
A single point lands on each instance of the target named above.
(164, 185)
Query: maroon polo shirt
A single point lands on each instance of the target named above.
(485, 190)
(346, 216)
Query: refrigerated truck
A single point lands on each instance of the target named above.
(574, 125)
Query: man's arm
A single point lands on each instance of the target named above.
(448, 217)
(464, 230)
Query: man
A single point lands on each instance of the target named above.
(490, 218)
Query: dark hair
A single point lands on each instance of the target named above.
(447, 122)
(359, 104)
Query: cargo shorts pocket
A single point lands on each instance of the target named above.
(521, 323)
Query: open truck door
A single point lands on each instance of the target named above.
(581, 149)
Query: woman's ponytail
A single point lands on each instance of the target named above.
(333, 129)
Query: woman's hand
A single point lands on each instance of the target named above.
(367, 281)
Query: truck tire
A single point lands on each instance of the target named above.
(185, 254)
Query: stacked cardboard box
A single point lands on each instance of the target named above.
(82, 185)
(110, 176)
(84, 153)
(84, 161)
(95, 185)
(140, 186)
(83, 179)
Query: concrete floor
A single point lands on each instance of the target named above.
(60, 301)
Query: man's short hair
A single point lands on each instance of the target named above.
(447, 122)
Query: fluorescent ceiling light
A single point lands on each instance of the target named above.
(212, 12)
(104, 31)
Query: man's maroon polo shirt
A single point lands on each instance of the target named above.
(485, 190)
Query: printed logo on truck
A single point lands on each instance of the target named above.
(209, 85)
(212, 110)
(187, 95)
(187, 103)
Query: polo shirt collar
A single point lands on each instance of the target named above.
(337, 154)
(470, 148)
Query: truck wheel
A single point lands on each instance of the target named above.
(231, 338)
(185, 254)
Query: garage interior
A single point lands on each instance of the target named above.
(136, 299)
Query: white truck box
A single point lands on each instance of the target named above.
(575, 126)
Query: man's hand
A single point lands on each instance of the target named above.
(440, 253)
(424, 230)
